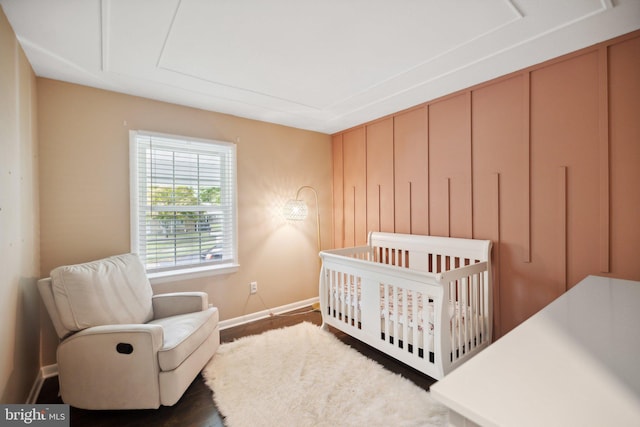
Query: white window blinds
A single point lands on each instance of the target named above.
(183, 201)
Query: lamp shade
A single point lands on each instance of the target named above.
(295, 210)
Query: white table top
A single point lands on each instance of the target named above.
(574, 363)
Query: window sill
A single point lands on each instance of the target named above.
(192, 273)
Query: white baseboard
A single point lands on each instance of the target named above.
(237, 321)
(44, 373)
(52, 370)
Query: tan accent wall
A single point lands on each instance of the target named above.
(19, 246)
(84, 147)
(544, 162)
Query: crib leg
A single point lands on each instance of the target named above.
(324, 326)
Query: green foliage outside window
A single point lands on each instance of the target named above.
(183, 221)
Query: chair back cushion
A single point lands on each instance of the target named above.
(112, 290)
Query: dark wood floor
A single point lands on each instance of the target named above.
(196, 407)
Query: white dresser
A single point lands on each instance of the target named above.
(574, 363)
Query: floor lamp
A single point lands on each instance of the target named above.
(297, 210)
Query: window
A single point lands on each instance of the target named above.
(183, 203)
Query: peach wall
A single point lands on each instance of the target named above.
(19, 262)
(544, 162)
(84, 166)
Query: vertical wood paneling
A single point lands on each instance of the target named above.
(624, 123)
(543, 162)
(500, 151)
(338, 192)
(411, 175)
(450, 158)
(380, 199)
(564, 132)
(355, 187)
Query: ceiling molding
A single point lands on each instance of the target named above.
(517, 16)
(324, 66)
(104, 35)
(166, 38)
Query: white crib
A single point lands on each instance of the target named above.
(423, 300)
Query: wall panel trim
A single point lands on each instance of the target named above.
(379, 207)
(470, 151)
(428, 177)
(562, 228)
(526, 144)
(603, 143)
(410, 208)
(497, 273)
(448, 205)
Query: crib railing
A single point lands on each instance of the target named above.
(431, 311)
(353, 300)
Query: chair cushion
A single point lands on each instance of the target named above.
(112, 290)
(183, 334)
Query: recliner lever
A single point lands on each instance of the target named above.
(124, 348)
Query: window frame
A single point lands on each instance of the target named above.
(191, 270)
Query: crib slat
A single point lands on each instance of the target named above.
(461, 324)
(426, 318)
(483, 313)
(334, 293)
(472, 319)
(396, 304)
(455, 324)
(464, 314)
(405, 316)
(330, 287)
(348, 299)
(388, 305)
(416, 322)
(331, 296)
(387, 324)
(338, 290)
(343, 297)
(454, 320)
(343, 307)
(353, 299)
(475, 310)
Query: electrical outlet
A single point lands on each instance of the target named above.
(253, 287)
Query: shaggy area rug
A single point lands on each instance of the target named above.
(304, 376)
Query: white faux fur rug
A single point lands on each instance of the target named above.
(304, 376)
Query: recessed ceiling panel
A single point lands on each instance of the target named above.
(319, 53)
(323, 65)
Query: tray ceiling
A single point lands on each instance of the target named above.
(323, 66)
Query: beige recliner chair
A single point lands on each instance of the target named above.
(121, 346)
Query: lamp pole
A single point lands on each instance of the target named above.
(315, 193)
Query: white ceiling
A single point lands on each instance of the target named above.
(320, 65)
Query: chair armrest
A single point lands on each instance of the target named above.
(113, 366)
(172, 304)
(150, 336)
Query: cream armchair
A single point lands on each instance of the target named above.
(121, 346)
